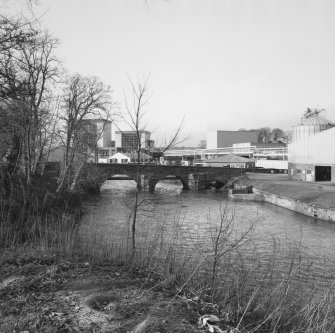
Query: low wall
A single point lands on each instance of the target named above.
(305, 208)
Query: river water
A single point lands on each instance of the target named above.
(268, 229)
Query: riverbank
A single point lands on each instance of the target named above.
(44, 292)
(49, 294)
(316, 199)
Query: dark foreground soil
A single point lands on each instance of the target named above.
(45, 295)
(49, 295)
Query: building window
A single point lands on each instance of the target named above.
(129, 141)
(309, 172)
(104, 153)
(299, 171)
(124, 160)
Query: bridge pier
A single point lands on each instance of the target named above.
(185, 182)
(145, 181)
(201, 182)
(152, 184)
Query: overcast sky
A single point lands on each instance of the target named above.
(223, 64)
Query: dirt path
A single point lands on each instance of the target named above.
(47, 296)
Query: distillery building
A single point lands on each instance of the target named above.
(311, 154)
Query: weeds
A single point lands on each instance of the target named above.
(31, 215)
(247, 291)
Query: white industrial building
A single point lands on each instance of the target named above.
(311, 155)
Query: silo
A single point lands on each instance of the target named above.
(311, 123)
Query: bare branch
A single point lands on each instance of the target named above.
(86, 102)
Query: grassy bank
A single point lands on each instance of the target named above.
(50, 281)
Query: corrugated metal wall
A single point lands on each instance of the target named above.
(317, 149)
(302, 132)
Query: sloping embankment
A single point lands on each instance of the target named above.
(306, 198)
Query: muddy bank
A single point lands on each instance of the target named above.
(42, 294)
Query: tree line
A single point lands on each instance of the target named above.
(269, 135)
(42, 105)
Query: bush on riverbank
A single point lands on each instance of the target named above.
(33, 215)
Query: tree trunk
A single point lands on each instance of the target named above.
(133, 227)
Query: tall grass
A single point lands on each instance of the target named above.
(30, 215)
(279, 292)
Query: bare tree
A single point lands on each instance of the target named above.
(277, 133)
(28, 72)
(264, 134)
(14, 32)
(41, 70)
(135, 104)
(85, 100)
(223, 238)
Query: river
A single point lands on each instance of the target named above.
(270, 229)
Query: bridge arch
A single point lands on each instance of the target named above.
(153, 180)
(120, 176)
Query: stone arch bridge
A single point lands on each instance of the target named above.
(192, 177)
